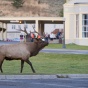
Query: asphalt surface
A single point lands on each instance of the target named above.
(65, 51)
(45, 83)
(8, 42)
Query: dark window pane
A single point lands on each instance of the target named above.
(85, 16)
(85, 22)
(84, 28)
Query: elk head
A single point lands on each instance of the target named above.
(41, 43)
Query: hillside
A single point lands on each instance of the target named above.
(32, 8)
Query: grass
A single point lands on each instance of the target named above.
(68, 46)
(48, 63)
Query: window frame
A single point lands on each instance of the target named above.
(84, 25)
(77, 25)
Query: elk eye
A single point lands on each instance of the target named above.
(43, 39)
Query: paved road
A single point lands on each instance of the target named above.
(45, 83)
(65, 51)
(10, 42)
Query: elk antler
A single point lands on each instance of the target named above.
(34, 29)
(23, 30)
(33, 26)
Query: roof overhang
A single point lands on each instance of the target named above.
(33, 19)
(81, 3)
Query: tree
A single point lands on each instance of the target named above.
(18, 3)
(61, 13)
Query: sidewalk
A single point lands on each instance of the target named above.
(4, 77)
(64, 51)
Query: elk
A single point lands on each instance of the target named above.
(21, 51)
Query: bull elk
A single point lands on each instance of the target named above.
(21, 51)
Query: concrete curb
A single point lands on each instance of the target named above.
(72, 75)
(43, 76)
(28, 77)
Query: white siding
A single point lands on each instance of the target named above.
(13, 35)
(72, 28)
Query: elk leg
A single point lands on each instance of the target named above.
(1, 66)
(22, 65)
(28, 62)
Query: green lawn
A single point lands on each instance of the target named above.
(48, 63)
(68, 46)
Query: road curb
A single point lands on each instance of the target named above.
(28, 76)
(72, 75)
(43, 76)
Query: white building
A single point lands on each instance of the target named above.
(76, 22)
(12, 32)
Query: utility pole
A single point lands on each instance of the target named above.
(63, 38)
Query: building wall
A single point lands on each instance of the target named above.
(70, 12)
(3, 34)
(13, 30)
(13, 35)
(72, 27)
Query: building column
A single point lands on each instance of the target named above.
(1, 32)
(37, 25)
(1, 35)
(42, 28)
(80, 26)
(5, 32)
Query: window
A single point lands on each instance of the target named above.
(13, 27)
(19, 26)
(77, 26)
(85, 26)
(26, 26)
